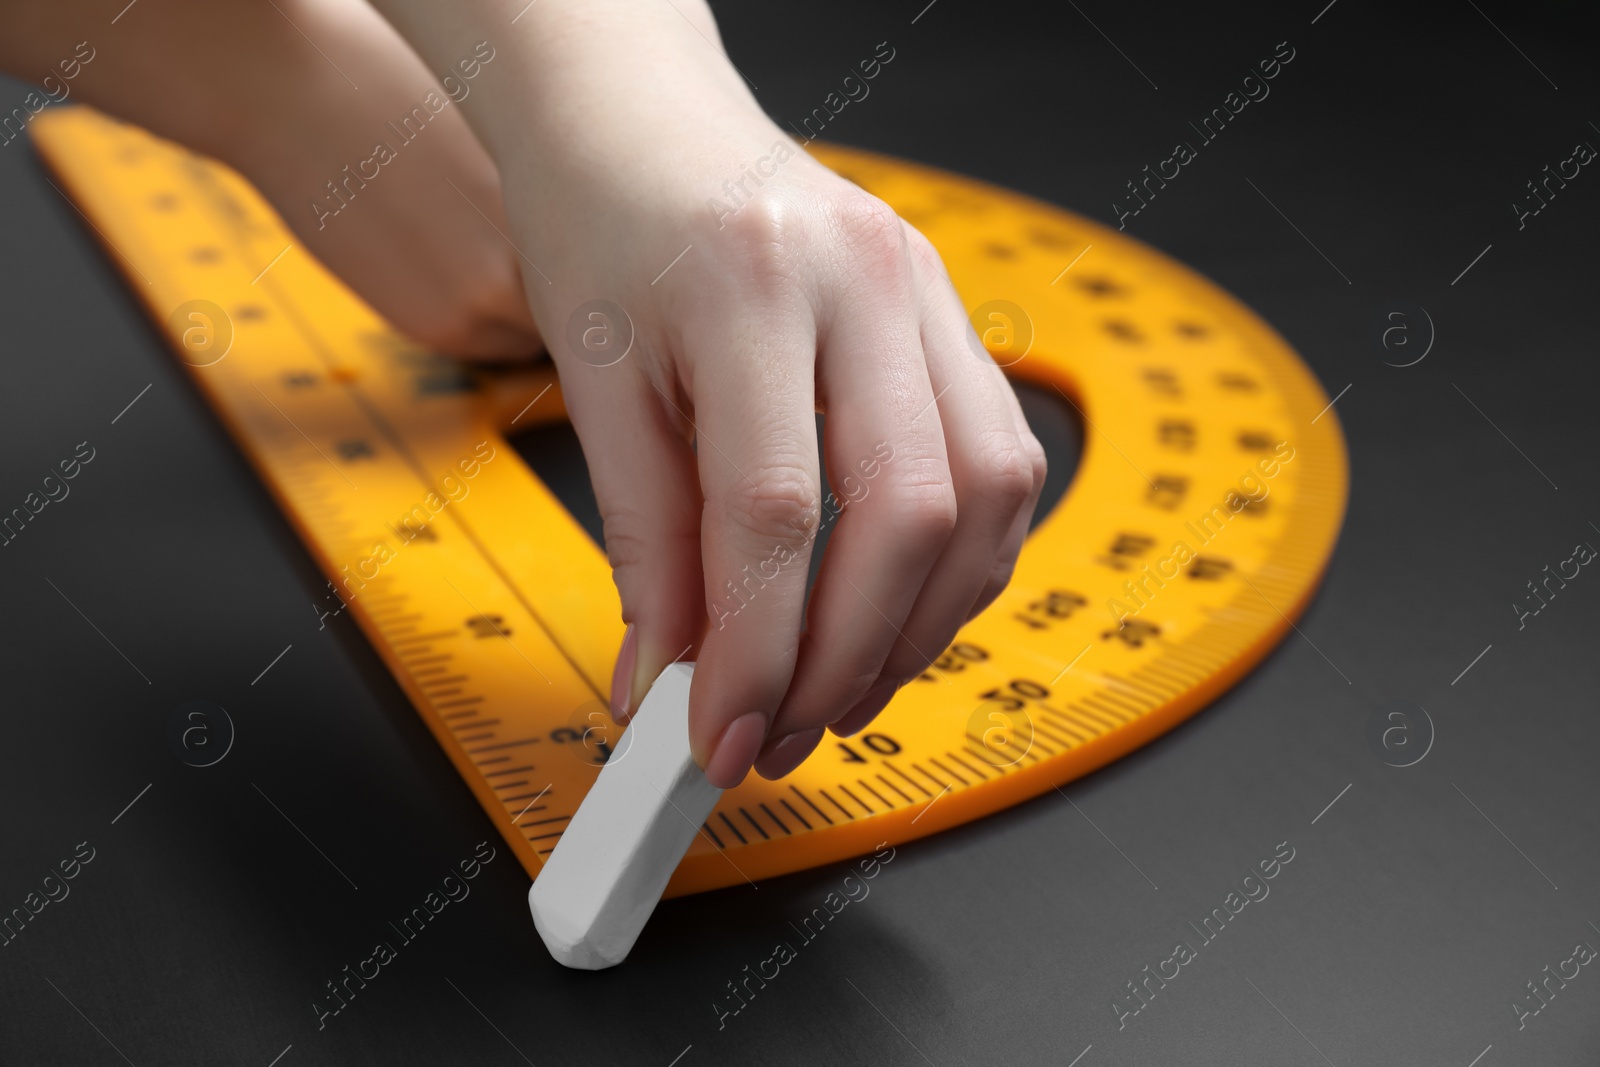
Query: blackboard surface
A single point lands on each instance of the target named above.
(1422, 904)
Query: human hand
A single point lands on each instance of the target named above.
(614, 129)
(416, 237)
(809, 294)
(388, 186)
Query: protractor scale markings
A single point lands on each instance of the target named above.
(1202, 515)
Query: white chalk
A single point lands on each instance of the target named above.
(612, 864)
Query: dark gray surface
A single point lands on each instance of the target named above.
(1407, 923)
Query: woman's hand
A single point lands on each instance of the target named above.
(749, 287)
(704, 287)
(413, 220)
(297, 95)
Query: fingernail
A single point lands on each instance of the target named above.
(856, 719)
(736, 750)
(622, 674)
(788, 754)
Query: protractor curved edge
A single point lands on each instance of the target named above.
(1099, 347)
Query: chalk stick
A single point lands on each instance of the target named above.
(607, 873)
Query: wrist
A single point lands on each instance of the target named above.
(576, 86)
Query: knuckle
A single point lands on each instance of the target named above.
(765, 238)
(854, 679)
(999, 578)
(1003, 473)
(870, 229)
(778, 503)
(853, 688)
(638, 545)
(1037, 462)
(847, 684)
(628, 538)
(921, 513)
(632, 541)
(922, 248)
(904, 664)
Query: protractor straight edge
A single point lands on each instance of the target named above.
(1204, 511)
(154, 251)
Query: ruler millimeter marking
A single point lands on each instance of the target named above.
(1202, 515)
